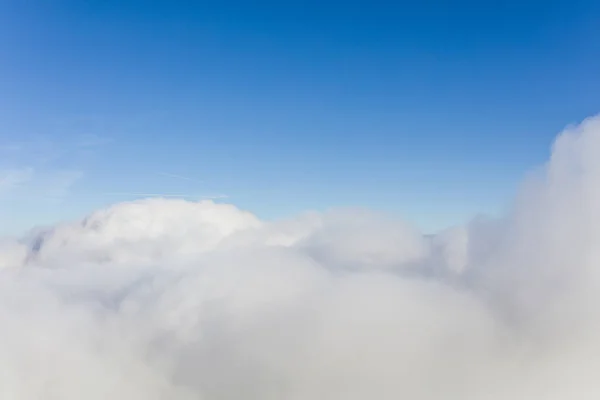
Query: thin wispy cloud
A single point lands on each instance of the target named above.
(169, 195)
(180, 177)
(12, 147)
(11, 178)
(38, 184)
(91, 140)
(43, 167)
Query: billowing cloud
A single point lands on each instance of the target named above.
(139, 233)
(170, 299)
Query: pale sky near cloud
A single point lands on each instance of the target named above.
(41, 174)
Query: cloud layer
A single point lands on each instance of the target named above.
(168, 299)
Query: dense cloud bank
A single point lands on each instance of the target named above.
(168, 299)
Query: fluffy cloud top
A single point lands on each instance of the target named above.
(143, 232)
(168, 299)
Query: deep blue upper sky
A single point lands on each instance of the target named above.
(431, 110)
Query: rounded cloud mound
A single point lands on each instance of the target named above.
(146, 231)
(362, 239)
(161, 230)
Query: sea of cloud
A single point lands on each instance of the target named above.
(170, 299)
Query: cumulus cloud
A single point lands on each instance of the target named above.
(170, 299)
(141, 232)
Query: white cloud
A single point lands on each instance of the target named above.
(141, 232)
(169, 299)
(359, 239)
(12, 254)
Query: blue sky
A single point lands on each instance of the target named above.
(433, 111)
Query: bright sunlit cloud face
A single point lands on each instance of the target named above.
(169, 299)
